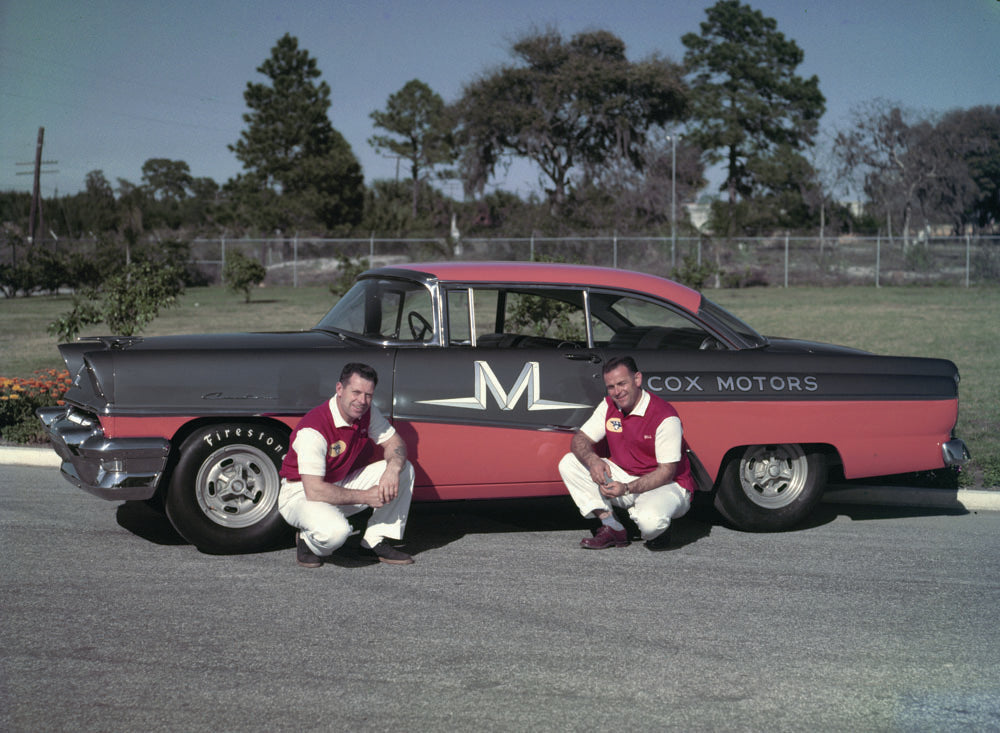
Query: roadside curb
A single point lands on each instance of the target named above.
(18, 456)
(973, 501)
(968, 499)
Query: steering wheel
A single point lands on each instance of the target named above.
(710, 344)
(419, 326)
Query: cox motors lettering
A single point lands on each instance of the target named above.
(732, 383)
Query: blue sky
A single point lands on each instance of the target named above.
(116, 82)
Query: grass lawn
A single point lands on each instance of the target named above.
(961, 324)
(26, 346)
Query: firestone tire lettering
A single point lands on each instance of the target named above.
(262, 437)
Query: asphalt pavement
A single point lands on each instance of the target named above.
(864, 618)
(874, 495)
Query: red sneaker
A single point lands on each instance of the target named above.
(605, 537)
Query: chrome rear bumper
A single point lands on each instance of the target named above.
(955, 453)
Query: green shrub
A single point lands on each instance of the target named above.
(127, 301)
(692, 274)
(348, 270)
(748, 278)
(241, 273)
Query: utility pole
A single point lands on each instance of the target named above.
(36, 199)
(673, 201)
(36, 191)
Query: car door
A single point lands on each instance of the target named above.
(491, 412)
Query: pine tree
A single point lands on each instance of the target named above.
(747, 103)
(420, 131)
(300, 171)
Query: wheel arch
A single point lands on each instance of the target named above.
(192, 426)
(829, 452)
(760, 507)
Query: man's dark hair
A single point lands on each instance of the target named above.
(616, 361)
(362, 370)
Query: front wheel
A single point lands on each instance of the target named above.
(767, 488)
(223, 497)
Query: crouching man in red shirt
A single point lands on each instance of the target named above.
(328, 475)
(648, 472)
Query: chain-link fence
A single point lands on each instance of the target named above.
(775, 261)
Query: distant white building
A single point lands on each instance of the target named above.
(698, 213)
(857, 208)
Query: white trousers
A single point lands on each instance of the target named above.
(324, 527)
(650, 510)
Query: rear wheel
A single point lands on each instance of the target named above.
(766, 488)
(223, 496)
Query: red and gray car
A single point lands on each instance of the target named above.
(485, 370)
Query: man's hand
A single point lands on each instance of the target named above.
(373, 497)
(388, 485)
(583, 449)
(599, 471)
(613, 489)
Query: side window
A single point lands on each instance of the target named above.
(417, 316)
(459, 328)
(602, 331)
(388, 324)
(384, 309)
(402, 312)
(541, 315)
(508, 318)
(648, 325)
(486, 302)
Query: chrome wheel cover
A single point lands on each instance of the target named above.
(237, 486)
(774, 476)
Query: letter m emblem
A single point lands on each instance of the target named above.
(485, 381)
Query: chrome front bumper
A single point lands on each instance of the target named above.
(111, 468)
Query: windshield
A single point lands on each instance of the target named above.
(383, 309)
(711, 311)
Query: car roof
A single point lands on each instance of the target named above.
(554, 274)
